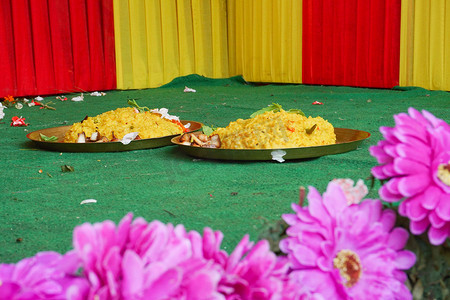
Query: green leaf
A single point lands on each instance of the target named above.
(296, 111)
(67, 168)
(133, 103)
(275, 107)
(311, 130)
(207, 130)
(48, 138)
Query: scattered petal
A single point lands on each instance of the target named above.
(38, 98)
(78, 98)
(88, 201)
(127, 138)
(19, 105)
(317, 103)
(62, 98)
(17, 122)
(97, 94)
(189, 90)
(278, 155)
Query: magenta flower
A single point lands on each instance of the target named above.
(253, 272)
(140, 260)
(414, 158)
(48, 275)
(346, 251)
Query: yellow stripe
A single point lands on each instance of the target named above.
(425, 44)
(158, 40)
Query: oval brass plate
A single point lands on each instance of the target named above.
(60, 146)
(346, 140)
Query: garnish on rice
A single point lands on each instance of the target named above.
(113, 125)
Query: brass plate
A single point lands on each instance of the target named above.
(346, 140)
(60, 146)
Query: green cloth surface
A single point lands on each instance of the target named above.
(38, 211)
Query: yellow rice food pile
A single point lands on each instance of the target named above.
(276, 130)
(122, 121)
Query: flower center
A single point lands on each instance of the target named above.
(444, 173)
(349, 266)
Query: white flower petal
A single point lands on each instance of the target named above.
(127, 138)
(278, 155)
(189, 90)
(88, 201)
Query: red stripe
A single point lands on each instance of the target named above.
(54, 47)
(351, 42)
(7, 60)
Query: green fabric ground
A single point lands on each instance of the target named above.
(41, 209)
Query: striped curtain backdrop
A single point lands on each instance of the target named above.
(52, 47)
(59, 46)
(158, 40)
(425, 44)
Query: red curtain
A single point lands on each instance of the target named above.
(56, 46)
(351, 42)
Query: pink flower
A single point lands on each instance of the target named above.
(140, 260)
(414, 158)
(346, 251)
(48, 275)
(253, 272)
(353, 193)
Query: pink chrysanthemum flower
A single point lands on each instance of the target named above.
(48, 275)
(140, 260)
(346, 251)
(415, 159)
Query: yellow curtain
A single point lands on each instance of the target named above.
(265, 40)
(159, 40)
(425, 44)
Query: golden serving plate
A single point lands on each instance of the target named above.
(60, 146)
(346, 140)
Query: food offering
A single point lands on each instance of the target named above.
(271, 133)
(269, 128)
(136, 122)
(122, 129)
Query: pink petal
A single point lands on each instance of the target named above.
(304, 255)
(419, 227)
(392, 186)
(443, 208)
(413, 154)
(435, 220)
(431, 197)
(378, 172)
(438, 236)
(387, 219)
(386, 195)
(165, 285)
(405, 260)
(414, 209)
(133, 274)
(316, 207)
(380, 154)
(407, 166)
(398, 238)
(413, 184)
(334, 199)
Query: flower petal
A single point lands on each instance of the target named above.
(435, 220)
(438, 236)
(398, 238)
(443, 208)
(431, 197)
(413, 184)
(419, 227)
(407, 166)
(414, 209)
(405, 260)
